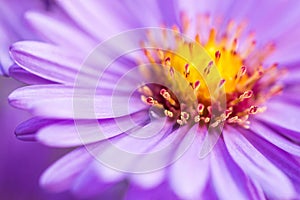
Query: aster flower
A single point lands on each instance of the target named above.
(160, 112)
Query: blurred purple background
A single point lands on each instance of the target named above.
(21, 163)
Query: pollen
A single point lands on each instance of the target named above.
(245, 80)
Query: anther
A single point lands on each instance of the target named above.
(200, 108)
(187, 70)
(246, 95)
(168, 113)
(196, 85)
(217, 55)
(168, 61)
(197, 118)
(208, 67)
(221, 83)
(253, 110)
(166, 95)
(185, 115)
(242, 71)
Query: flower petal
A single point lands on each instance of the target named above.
(148, 180)
(89, 183)
(27, 130)
(283, 160)
(189, 174)
(69, 133)
(143, 154)
(282, 114)
(163, 191)
(275, 137)
(62, 174)
(52, 32)
(20, 74)
(46, 60)
(228, 179)
(257, 166)
(41, 99)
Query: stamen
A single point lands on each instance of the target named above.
(168, 61)
(253, 110)
(221, 83)
(246, 95)
(168, 113)
(196, 85)
(185, 115)
(187, 70)
(200, 108)
(217, 56)
(208, 67)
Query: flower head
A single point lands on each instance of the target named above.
(198, 104)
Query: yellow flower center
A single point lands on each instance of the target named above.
(247, 84)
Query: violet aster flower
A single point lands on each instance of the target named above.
(184, 91)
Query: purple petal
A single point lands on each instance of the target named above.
(52, 32)
(283, 160)
(41, 99)
(163, 191)
(189, 180)
(148, 180)
(282, 114)
(144, 154)
(46, 60)
(275, 138)
(257, 166)
(87, 17)
(13, 28)
(24, 76)
(68, 133)
(27, 130)
(228, 179)
(62, 174)
(89, 183)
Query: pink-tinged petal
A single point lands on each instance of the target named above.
(148, 180)
(228, 179)
(163, 191)
(275, 137)
(257, 166)
(283, 160)
(46, 60)
(53, 31)
(62, 174)
(24, 76)
(68, 133)
(41, 99)
(189, 174)
(282, 114)
(27, 130)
